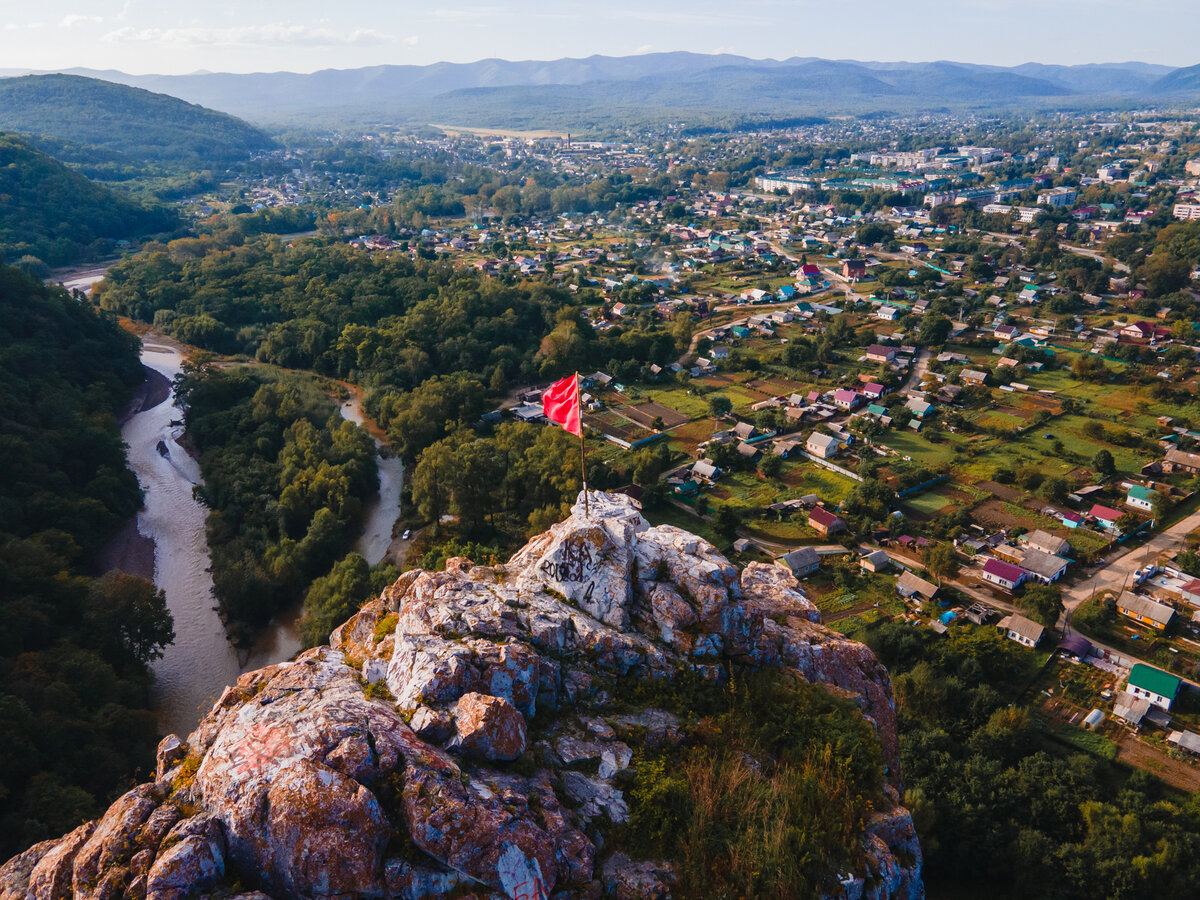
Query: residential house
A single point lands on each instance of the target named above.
(875, 561)
(1006, 332)
(800, 562)
(826, 522)
(1046, 542)
(1131, 709)
(873, 391)
(854, 269)
(909, 585)
(785, 447)
(973, 376)
(844, 399)
(706, 469)
(1185, 740)
(1148, 683)
(1004, 575)
(880, 354)
(1138, 497)
(825, 446)
(1148, 612)
(1045, 567)
(1022, 630)
(1181, 461)
(887, 313)
(748, 451)
(1190, 592)
(918, 407)
(1106, 518)
(743, 431)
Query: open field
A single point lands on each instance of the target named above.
(645, 414)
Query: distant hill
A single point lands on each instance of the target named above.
(51, 212)
(126, 122)
(1181, 81)
(602, 90)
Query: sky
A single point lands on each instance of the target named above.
(181, 36)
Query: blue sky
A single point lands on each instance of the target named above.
(178, 36)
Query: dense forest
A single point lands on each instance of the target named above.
(285, 478)
(52, 215)
(75, 717)
(83, 115)
(1001, 805)
(434, 344)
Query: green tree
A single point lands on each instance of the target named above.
(130, 615)
(1104, 464)
(719, 405)
(942, 561)
(333, 598)
(1043, 602)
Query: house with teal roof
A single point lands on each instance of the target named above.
(1148, 683)
(1140, 497)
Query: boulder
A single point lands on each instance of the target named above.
(193, 860)
(14, 874)
(52, 875)
(489, 727)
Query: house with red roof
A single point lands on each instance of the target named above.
(826, 522)
(1106, 517)
(844, 399)
(1004, 575)
(1190, 592)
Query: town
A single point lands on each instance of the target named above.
(925, 381)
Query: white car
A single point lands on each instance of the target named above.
(407, 534)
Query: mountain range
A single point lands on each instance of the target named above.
(89, 121)
(601, 89)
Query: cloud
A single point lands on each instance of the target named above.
(74, 19)
(278, 34)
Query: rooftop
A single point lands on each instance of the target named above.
(1156, 681)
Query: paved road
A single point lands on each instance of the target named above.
(920, 367)
(1118, 572)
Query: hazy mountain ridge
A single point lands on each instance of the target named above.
(132, 123)
(604, 88)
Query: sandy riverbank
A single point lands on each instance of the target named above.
(129, 550)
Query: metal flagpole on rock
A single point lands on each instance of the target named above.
(582, 452)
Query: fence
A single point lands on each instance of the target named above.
(920, 487)
(826, 464)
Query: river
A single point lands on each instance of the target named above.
(201, 662)
(382, 511)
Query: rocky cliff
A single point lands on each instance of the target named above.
(460, 736)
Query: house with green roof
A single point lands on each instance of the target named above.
(1148, 683)
(1139, 497)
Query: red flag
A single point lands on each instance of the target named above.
(560, 402)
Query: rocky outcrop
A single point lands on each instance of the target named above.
(458, 738)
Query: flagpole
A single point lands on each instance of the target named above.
(582, 453)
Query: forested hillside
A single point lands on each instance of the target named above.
(1002, 805)
(137, 125)
(75, 717)
(285, 479)
(434, 344)
(57, 216)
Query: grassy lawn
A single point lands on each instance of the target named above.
(809, 478)
(908, 443)
(1080, 739)
(928, 502)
